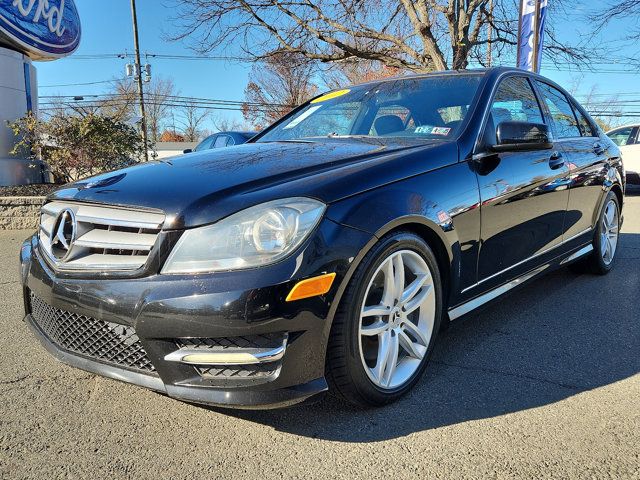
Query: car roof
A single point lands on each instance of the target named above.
(629, 125)
(469, 71)
(232, 132)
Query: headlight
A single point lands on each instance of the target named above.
(256, 236)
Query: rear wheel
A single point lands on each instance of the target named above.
(605, 242)
(385, 329)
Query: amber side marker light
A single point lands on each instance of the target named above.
(311, 287)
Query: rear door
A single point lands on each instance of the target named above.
(523, 193)
(586, 158)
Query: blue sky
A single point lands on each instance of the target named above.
(106, 28)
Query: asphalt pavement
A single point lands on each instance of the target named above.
(544, 383)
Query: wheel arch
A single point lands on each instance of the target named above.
(426, 229)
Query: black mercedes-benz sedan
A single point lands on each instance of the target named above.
(329, 251)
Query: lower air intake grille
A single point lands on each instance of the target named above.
(239, 371)
(258, 372)
(90, 337)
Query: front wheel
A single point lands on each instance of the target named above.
(387, 324)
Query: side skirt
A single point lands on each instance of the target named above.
(475, 303)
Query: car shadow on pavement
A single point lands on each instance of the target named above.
(559, 336)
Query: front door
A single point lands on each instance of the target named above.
(524, 194)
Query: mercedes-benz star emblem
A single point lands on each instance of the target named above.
(64, 234)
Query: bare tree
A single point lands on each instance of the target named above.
(604, 109)
(226, 124)
(158, 98)
(191, 122)
(616, 10)
(350, 72)
(277, 84)
(416, 35)
(122, 104)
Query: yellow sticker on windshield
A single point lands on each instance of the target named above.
(330, 95)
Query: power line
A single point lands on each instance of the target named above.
(75, 84)
(112, 56)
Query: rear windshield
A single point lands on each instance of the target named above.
(430, 107)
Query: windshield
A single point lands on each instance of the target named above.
(422, 108)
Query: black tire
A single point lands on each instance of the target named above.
(595, 262)
(345, 372)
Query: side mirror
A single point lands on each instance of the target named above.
(187, 150)
(521, 136)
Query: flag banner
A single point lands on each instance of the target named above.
(541, 21)
(530, 44)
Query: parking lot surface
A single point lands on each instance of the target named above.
(544, 383)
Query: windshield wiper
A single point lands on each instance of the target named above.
(286, 141)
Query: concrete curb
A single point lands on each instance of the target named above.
(20, 213)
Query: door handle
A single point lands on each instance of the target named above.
(598, 149)
(556, 160)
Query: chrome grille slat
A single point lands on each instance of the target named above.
(108, 238)
(113, 239)
(101, 261)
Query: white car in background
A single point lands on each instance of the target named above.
(628, 139)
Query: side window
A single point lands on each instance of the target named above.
(205, 144)
(586, 129)
(562, 113)
(621, 136)
(515, 101)
(221, 141)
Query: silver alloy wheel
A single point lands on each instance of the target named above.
(396, 319)
(609, 232)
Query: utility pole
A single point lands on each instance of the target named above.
(520, 11)
(138, 75)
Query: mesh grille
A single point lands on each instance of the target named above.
(90, 337)
(255, 372)
(270, 340)
(240, 371)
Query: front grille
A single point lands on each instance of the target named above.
(81, 237)
(105, 341)
(263, 371)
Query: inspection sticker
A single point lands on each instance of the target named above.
(433, 130)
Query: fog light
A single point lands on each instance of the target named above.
(219, 358)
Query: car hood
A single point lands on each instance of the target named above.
(202, 187)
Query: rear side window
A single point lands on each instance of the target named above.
(221, 141)
(564, 119)
(621, 136)
(515, 101)
(586, 129)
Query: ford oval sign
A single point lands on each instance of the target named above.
(41, 29)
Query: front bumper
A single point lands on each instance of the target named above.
(168, 310)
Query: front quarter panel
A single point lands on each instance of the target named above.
(444, 201)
